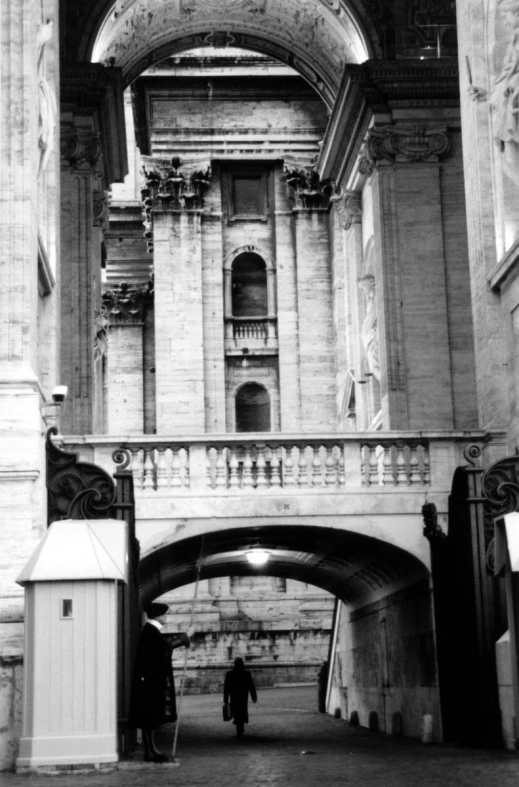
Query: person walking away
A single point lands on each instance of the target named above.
(152, 700)
(237, 687)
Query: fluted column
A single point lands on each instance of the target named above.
(80, 279)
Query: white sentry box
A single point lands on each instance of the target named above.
(70, 661)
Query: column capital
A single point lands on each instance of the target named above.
(80, 148)
(124, 304)
(174, 184)
(307, 189)
(410, 143)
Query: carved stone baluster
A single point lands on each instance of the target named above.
(373, 466)
(162, 470)
(331, 467)
(137, 468)
(387, 464)
(185, 454)
(426, 465)
(317, 476)
(340, 468)
(221, 469)
(234, 480)
(247, 480)
(210, 462)
(401, 473)
(303, 479)
(414, 465)
(261, 480)
(288, 467)
(275, 478)
(149, 469)
(364, 463)
(176, 481)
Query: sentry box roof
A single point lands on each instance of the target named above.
(79, 549)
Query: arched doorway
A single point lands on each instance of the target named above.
(249, 286)
(252, 407)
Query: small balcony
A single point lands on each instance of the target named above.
(256, 334)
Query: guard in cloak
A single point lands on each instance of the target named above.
(152, 700)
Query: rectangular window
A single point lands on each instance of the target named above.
(66, 608)
(248, 196)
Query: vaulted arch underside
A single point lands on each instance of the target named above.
(348, 565)
(316, 37)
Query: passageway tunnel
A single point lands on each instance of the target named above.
(348, 565)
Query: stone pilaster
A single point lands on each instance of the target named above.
(316, 340)
(288, 322)
(416, 382)
(173, 197)
(80, 280)
(124, 308)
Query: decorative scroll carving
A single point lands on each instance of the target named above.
(416, 144)
(77, 490)
(125, 304)
(307, 189)
(349, 207)
(432, 530)
(500, 486)
(80, 148)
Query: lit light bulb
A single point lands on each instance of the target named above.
(257, 557)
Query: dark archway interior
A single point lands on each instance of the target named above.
(249, 286)
(252, 409)
(349, 565)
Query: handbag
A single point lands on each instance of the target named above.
(226, 711)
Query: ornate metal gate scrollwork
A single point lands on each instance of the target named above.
(79, 490)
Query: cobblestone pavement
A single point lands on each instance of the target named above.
(289, 743)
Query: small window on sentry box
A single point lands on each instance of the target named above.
(67, 608)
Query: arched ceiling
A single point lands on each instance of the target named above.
(349, 565)
(316, 37)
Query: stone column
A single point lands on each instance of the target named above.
(80, 279)
(179, 342)
(24, 381)
(415, 363)
(314, 302)
(287, 317)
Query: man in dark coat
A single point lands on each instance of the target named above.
(153, 692)
(238, 685)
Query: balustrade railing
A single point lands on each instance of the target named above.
(214, 464)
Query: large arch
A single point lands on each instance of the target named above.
(349, 565)
(317, 38)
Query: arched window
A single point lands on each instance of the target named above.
(249, 286)
(252, 409)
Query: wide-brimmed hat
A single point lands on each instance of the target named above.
(155, 610)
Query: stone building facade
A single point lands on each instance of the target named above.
(328, 215)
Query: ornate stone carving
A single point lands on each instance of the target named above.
(101, 207)
(349, 207)
(369, 329)
(407, 143)
(504, 97)
(125, 304)
(47, 105)
(307, 189)
(432, 530)
(173, 185)
(80, 148)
